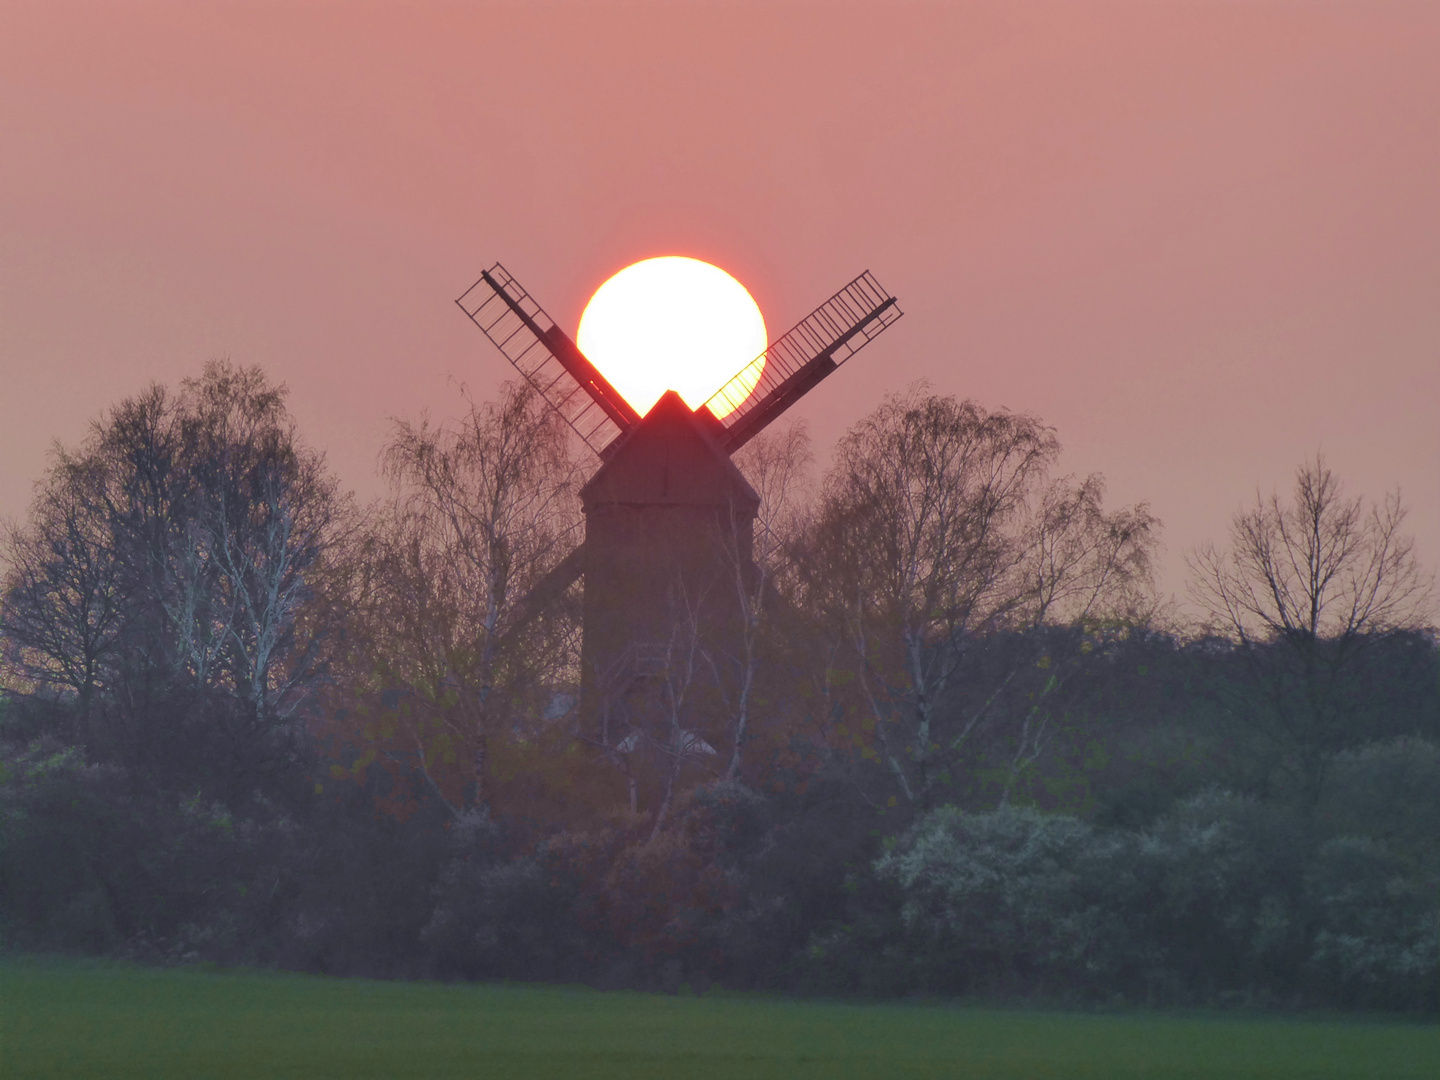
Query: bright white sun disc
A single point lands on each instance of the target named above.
(675, 323)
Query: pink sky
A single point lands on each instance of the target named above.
(1202, 240)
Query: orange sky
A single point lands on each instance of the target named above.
(1203, 240)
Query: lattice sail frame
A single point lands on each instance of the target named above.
(789, 368)
(547, 358)
(795, 362)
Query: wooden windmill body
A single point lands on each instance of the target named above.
(667, 555)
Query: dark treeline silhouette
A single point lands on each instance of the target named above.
(950, 743)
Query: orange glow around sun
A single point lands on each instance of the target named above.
(675, 323)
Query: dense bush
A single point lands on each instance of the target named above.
(497, 915)
(1377, 938)
(1223, 899)
(90, 863)
(1374, 886)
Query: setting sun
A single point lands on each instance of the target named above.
(674, 323)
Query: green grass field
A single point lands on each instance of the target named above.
(107, 1021)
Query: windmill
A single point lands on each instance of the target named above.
(667, 507)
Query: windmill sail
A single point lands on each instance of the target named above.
(789, 368)
(548, 359)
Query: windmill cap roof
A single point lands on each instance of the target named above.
(669, 457)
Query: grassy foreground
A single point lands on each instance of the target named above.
(93, 1020)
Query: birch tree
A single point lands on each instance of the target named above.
(480, 510)
(937, 526)
(167, 578)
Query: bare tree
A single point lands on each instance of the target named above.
(1303, 592)
(1082, 569)
(1079, 563)
(480, 511)
(60, 613)
(777, 464)
(937, 526)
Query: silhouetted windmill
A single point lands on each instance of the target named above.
(666, 500)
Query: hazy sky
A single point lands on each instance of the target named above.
(1201, 239)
